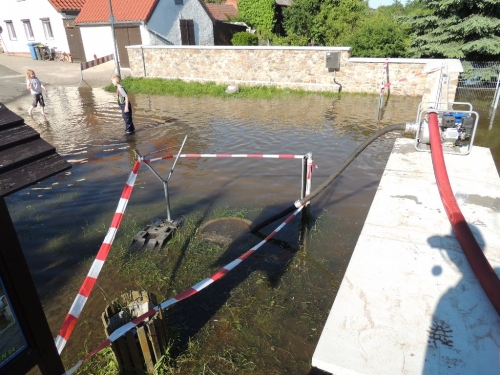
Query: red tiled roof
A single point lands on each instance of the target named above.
(221, 11)
(67, 4)
(124, 10)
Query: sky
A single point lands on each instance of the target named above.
(376, 3)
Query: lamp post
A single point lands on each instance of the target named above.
(112, 20)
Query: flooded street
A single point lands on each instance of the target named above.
(61, 221)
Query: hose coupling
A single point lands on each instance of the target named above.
(411, 127)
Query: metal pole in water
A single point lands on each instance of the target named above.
(304, 220)
(494, 103)
(165, 188)
(307, 190)
(304, 177)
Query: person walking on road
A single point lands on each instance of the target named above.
(124, 103)
(35, 86)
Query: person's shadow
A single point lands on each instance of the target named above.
(464, 334)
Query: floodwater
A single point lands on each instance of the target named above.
(62, 221)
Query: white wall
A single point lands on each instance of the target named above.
(146, 37)
(15, 11)
(165, 21)
(97, 40)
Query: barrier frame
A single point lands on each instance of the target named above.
(91, 278)
(91, 64)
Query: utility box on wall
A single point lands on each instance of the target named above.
(333, 61)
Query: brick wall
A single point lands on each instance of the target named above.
(293, 67)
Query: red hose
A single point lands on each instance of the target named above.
(477, 260)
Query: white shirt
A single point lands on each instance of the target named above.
(36, 85)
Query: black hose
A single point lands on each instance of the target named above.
(340, 86)
(330, 179)
(335, 80)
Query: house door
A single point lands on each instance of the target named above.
(126, 36)
(187, 32)
(75, 42)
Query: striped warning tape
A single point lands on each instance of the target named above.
(413, 76)
(181, 296)
(384, 76)
(84, 292)
(257, 156)
(95, 62)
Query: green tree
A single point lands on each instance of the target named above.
(378, 35)
(338, 19)
(259, 14)
(299, 18)
(455, 29)
(324, 22)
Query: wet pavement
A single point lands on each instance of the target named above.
(13, 72)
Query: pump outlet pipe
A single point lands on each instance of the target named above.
(473, 252)
(332, 177)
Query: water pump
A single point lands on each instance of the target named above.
(457, 128)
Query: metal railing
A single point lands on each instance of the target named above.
(479, 83)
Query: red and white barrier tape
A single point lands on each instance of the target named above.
(413, 76)
(183, 295)
(98, 61)
(84, 292)
(256, 156)
(382, 87)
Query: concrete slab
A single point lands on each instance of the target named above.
(409, 302)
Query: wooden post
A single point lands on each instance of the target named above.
(143, 349)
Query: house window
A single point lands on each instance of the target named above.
(47, 29)
(178, 2)
(28, 30)
(11, 30)
(187, 32)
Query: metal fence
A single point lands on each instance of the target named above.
(479, 84)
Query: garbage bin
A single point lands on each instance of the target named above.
(39, 55)
(32, 49)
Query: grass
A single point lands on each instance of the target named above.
(177, 87)
(249, 332)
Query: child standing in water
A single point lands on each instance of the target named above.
(124, 104)
(34, 84)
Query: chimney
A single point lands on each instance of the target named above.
(234, 3)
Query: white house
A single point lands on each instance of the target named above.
(49, 22)
(152, 22)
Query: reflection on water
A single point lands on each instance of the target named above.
(61, 221)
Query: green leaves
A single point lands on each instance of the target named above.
(258, 14)
(245, 39)
(456, 29)
(378, 36)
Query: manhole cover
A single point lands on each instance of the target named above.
(224, 230)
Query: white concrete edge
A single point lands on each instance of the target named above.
(453, 65)
(257, 48)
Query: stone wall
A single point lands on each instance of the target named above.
(295, 67)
